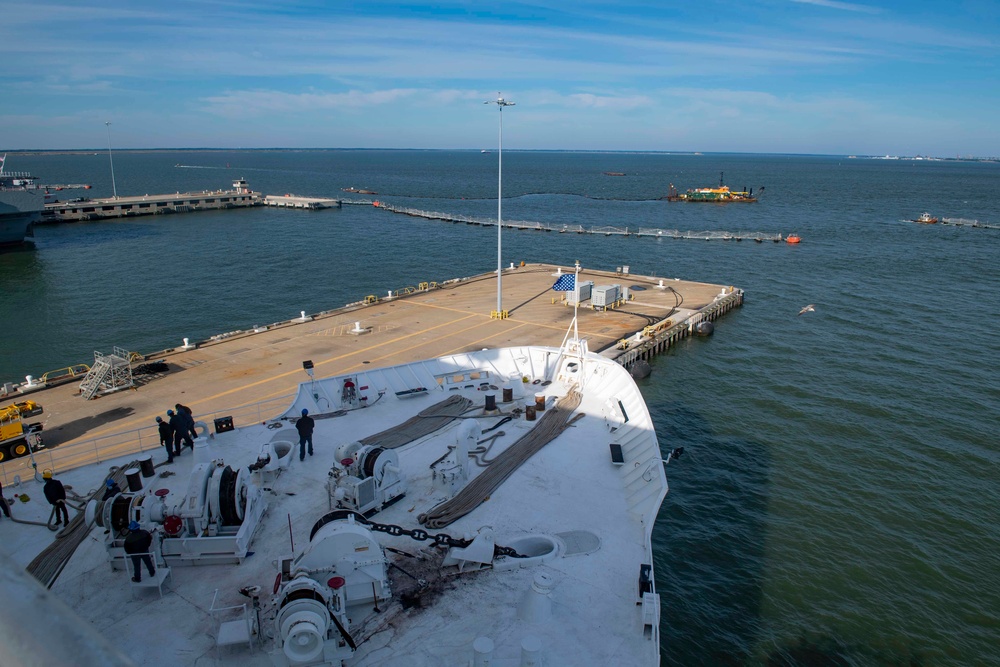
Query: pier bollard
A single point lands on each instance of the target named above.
(529, 412)
(539, 402)
(661, 286)
(29, 382)
(508, 394)
(187, 345)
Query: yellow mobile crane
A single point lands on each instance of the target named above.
(15, 435)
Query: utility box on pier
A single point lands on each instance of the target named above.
(581, 293)
(605, 295)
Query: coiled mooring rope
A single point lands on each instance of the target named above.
(427, 421)
(552, 423)
(49, 564)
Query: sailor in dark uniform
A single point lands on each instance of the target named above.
(137, 544)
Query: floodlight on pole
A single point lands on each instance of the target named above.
(114, 188)
(501, 103)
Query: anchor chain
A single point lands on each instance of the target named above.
(439, 539)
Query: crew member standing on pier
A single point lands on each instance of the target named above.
(166, 438)
(305, 426)
(55, 493)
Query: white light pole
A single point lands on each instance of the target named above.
(501, 103)
(114, 188)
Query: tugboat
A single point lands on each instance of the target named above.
(925, 219)
(719, 195)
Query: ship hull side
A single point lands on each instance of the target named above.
(15, 227)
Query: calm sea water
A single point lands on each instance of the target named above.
(838, 500)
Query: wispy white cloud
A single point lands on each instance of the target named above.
(241, 103)
(616, 102)
(591, 69)
(846, 6)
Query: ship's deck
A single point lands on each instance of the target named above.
(570, 488)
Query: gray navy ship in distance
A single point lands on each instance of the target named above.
(21, 205)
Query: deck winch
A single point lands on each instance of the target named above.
(365, 479)
(340, 575)
(214, 521)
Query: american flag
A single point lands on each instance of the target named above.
(566, 283)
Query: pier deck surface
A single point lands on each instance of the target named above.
(218, 377)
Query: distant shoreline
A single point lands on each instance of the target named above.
(99, 151)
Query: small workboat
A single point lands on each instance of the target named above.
(793, 238)
(719, 195)
(926, 219)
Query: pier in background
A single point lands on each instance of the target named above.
(249, 375)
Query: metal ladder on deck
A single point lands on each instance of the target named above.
(109, 373)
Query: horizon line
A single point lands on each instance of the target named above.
(691, 153)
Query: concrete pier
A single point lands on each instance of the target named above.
(295, 201)
(80, 209)
(250, 374)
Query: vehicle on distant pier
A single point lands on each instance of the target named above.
(16, 437)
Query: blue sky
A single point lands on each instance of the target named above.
(791, 76)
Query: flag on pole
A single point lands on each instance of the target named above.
(566, 283)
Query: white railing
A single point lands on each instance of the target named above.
(61, 458)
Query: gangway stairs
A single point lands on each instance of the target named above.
(109, 373)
